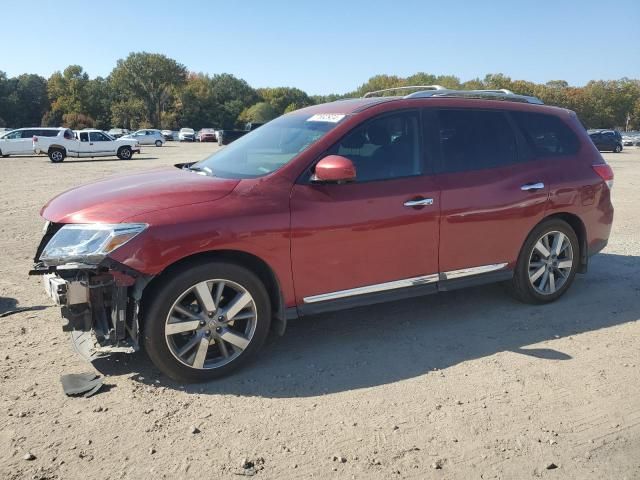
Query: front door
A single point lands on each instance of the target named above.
(19, 142)
(100, 145)
(377, 234)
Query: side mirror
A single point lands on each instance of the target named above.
(334, 169)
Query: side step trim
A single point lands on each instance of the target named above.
(404, 283)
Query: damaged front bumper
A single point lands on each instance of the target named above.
(101, 305)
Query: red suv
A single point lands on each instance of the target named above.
(329, 207)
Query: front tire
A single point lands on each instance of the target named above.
(56, 155)
(547, 263)
(158, 143)
(205, 320)
(617, 149)
(125, 153)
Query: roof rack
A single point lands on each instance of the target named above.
(409, 87)
(427, 91)
(502, 94)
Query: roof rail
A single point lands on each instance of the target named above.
(408, 87)
(502, 94)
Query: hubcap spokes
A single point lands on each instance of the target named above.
(211, 324)
(550, 262)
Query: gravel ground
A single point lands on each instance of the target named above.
(461, 385)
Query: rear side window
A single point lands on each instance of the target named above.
(475, 140)
(48, 133)
(546, 135)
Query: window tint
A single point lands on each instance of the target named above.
(29, 133)
(48, 133)
(97, 137)
(475, 140)
(387, 147)
(546, 135)
(84, 137)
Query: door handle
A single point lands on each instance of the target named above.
(418, 202)
(532, 187)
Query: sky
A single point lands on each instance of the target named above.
(327, 46)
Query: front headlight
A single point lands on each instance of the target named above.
(88, 243)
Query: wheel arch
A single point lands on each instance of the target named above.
(578, 226)
(253, 263)
(57, 147)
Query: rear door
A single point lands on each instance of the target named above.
(491, 196)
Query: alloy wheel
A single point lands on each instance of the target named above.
(211, 324)
(550, 262)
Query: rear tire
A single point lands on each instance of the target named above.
(125, 153)
(178, 300)
(56, 155)
(547, 263)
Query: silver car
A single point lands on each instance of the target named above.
(148, 137)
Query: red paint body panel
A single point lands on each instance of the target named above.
(353, 235)
(325, 238)
(115, 199)
(487, 209)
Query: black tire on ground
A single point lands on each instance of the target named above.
(158, 143)
(617, 149)
(158, 302)
(56, 155)
(125, 153)
(520, 287)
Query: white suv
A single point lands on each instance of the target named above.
(19, 142)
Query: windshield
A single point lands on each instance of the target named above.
(271, 146)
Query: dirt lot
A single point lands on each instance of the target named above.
(468, 384)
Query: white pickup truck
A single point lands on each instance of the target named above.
(84, 143)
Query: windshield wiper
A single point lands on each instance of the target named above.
(201, 170)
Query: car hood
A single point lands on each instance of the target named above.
(115, 199)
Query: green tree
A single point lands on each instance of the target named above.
(281, 97)
(260, 112)
(150, 77)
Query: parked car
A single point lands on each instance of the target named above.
(225, 137)
(631, 140)
(607, 141)
(84, 144)
(118, 132)
(187, 135)
(20, 141)
(147, 136)
(168, 135)
(207, 135)
(329, 207)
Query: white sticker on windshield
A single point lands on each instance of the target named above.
(326, 117)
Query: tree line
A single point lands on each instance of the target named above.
(148, 90)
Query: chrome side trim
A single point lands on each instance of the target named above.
(465, 272)
(379, 287)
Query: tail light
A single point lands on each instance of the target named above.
(35, 139)
(605, 173)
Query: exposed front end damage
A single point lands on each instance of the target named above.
(100, 303)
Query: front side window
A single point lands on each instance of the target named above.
(475, 140)
(546, 135)
(98, 137)
(84, 137)
(384, 148)
(14, 135)
(271, 146)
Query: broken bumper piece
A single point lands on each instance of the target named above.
(100, 307)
